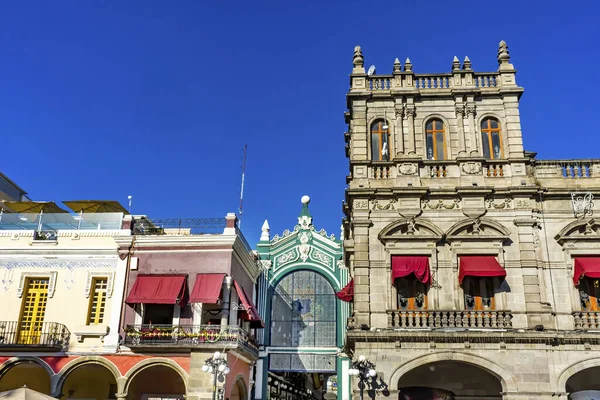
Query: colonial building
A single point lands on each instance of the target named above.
(475, 264)
(304, 294)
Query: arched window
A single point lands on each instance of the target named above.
(435, 140)
(380, 146)
(303, 311)
(490, 139)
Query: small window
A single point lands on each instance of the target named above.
(479, 293)
(158, 314)
(412, 294)
(380, 146)
(491, 140)
(97, 301)
(589, 293)
(435, 140)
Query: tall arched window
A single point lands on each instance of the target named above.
(435, 139)
(380, 143)
(303, 311)
(491, 140)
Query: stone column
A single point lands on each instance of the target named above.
(470, 111)
(226, 302)
(409, 114)
(460, 113)
(399, 132)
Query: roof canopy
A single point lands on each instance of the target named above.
(586, 267)
(482, 266)
(95, 206)
(159, 289)
(403, 266)
(250, 314)
(207, 288)
(34, 207)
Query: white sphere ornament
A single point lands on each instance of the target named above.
(205, 368)
(362, 358)
(217, 355)
(305, 199)
(372, 373)
(226, 371)
(222, 368)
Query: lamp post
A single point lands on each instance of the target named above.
(216, 365)
(365, 370)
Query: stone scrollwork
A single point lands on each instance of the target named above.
(408, 169)
(471, 168)
(321, 258)
(265, 264)
(440, 204)
(377, 205)
(361, 204)
(506, 204)
(287, 258)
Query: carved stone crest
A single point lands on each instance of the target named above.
(471, 168)
(408, 169)
(361, 204)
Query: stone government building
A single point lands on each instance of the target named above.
(475, 264)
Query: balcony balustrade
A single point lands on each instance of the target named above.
(586, 320)
(190, 336)
(441, 319)
(45, 335)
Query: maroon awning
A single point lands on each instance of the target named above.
(403, 266)
(486, 266)
(159, 289)
(207, 288)
(347, 293)
(586, 266)
(250, 312)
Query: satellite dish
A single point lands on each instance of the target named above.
(371, 70)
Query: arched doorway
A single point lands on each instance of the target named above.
(23, 373)
(238, 391)
(584, 384)
(449, 380)
(89, 381)
(156, 380)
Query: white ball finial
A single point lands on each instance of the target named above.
(305, 199)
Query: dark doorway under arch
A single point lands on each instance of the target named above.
(89, 381)
(157, 379)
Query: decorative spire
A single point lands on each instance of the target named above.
(407, 65)
(264, 236)
(358, 59)
(397, 65)
(305, 219)
(503, 56)
(466, 63)
(455, 64)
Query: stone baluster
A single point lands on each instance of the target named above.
(472, 319)
(445, 319)
(403, 319)
(451, 322)
(431, 321)
(458, 319)
(479, 319)
(577, 321)
(494, 320)
(465, 318)
(486, 320)
(390, 319)
(438, 320)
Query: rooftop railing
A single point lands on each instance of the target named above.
(61, 221)
(178, 226)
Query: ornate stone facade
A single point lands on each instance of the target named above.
(460, 184)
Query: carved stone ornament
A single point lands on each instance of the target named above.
(409, 111)
(110, 276)
(583, 204)
(459, 110)
(440, 204)
(377, 205)
(408, 169)
(265, 264)
(523, 203)
(51, 275)
(470, 109)
(471, 168)
(287, 258)
(506, 204)
(361, 204)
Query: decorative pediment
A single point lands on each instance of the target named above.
(588, 229)
(477, 229)
(411, 229)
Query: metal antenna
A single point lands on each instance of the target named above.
(129, 198)
(241, 208)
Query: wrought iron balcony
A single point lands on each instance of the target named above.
(45, 335)
(449, 319)
(190, 336)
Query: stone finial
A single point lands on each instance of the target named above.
(357, 59)
(407, 65)
(305, 219)
(397, 65)
(503, 56)
(455, 64)
(265, 236)
(466, 63)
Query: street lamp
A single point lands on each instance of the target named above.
(365, 370)
(216, 365)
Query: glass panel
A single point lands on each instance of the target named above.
(429, 126)
(429, 140)
(385, 148)
(439, 146)
(485, 144)
(375, 156)
(281, 333)
(484, 123)
(496, 145)
(494, 123)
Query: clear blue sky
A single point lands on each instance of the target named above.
(156, 99)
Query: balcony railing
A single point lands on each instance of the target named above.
(586, 320)
(17, 334)
(178, 226)
(189, 336)
(441, 319)
(57, 222)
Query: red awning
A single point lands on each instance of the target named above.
(403, 266)
(586, 266)
(250, 312)
(207, 288)
(347, 293)
(159, 289)
(479, 266)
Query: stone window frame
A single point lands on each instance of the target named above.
(51, 275)
(110, 276)
(570, 253)
(446, 142)
(371, 120)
